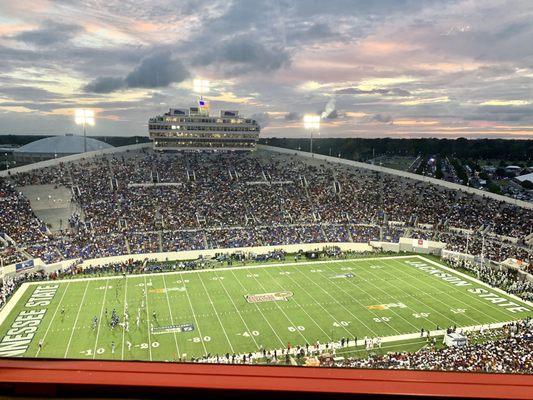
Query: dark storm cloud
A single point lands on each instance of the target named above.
(157, 70)
(387, 92)
(50, 33)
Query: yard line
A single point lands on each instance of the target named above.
(171, 318)
(259, 309)
(238, 312)
(340, 304)
(124, 316)
(76, 320)
(436, 298)
(471, 278)
(283, 312)
(372, 297)
(473, 296)
(424, 304)
(194, 315)
(52, 320)
(100, 320)
(216, 313)
(310, 317)
(147, 318)
(13, 301)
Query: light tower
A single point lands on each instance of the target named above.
(84, 118)
(312, 123)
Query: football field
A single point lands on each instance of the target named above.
(244, 309)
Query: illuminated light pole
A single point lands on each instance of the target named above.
(201, 86)
(84, 117)
(312, 123)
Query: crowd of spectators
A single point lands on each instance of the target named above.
(508, 279)
(145, 202)
(508, 350)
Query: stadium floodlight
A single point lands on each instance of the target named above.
(311, 123)
(84, 117)
(201, 86)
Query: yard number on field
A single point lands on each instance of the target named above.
(341, 323)
(296, 328)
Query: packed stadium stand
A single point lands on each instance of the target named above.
(141, 201)
(144, 202)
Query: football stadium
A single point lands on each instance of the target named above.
(266, 199)
(229, 252)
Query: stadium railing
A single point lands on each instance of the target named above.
(101, 378)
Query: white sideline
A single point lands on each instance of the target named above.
(6, 310)
(386, 339)
(453, 271)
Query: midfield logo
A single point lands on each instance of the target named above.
(262, 297)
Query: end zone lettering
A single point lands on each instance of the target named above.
(500, 301)
(42, 296)
(262, 297)
(19, 336)
(454, 280)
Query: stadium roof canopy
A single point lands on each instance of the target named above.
(57, 146)
(527, 177)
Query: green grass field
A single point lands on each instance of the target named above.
(215, 311)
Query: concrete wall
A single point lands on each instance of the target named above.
(438, 182)
(185, 255)
(194, 254)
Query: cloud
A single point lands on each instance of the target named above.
(50, 33)
(312, 32)
(105, 84)
(292, 116)
(332, 115)
(386, 92)
(385, 119)
(157, 70)
(329, 111)
(27, 92)
(263, 118)
(241, 55)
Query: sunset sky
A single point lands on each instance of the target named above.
(394, 68)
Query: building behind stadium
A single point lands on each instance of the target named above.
(195, 129)
(55, 147)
